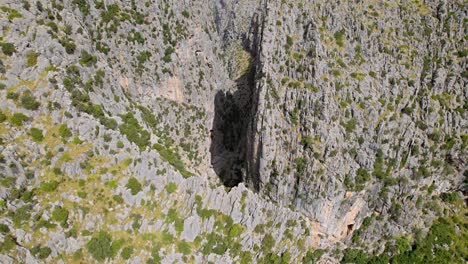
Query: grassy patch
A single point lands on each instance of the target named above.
(31, 58)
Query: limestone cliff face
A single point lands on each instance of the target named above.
(359, 108)
(230, 131)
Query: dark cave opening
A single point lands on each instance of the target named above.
(234, 111)
(228, 133)
(350, 229)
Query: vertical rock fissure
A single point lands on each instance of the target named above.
(234, 113)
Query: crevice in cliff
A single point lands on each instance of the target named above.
(228, 134)
(233, 113)
(254, 142)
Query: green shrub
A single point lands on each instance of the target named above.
(110, 13)
(127, 252)
(362, 176)
(134, 132)
(173, 158)
(358, 76)
(339, 38)
(100, 246)
(69, 45)
(120, 144)
(350, 125)
(143, 57)
(77, 140)
(235, 231)
(13, 96)
(64, 131)
(118, 199)
(355, 256)
(4, 229)
(179, 226)
(379, 166)
(307, 142)
(8, 244)
(49, 186)
(31, 59)
(115, 247)
(184, 248)
(83, 103)
(43, 223)
(44, 252)
(8, 48)
(36, 134)
(60, 215)
(155, 258)
(18, 119)
(82, 5)
(3, 117)
(71, 233)
(7, 181)
(171, 187)
(312, 257)
(268, 243)
(134, 185)
(451, 197)
(21, 215)
(113, 184)
(167, 54)
(29, 102)
(87, 59)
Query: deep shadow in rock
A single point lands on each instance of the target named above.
(228, 134)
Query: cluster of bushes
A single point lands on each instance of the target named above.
(133, 131)
(171, 187)
(36, 134)
(21, 215)
(362, 176)
(60, 215)
(12, 13)
(202, 212)
(83, 6)
(68, 44)
(31, 58)
(18, 119)
(379, 171)
(312, 257)
(142, 57)
(100, 246)
(134, 185)
(339, 38)
(126, 252)
(28, 101)
(83, 103)
(168, 53)
(87, 59)
(3, 117)
(365, 224)
(8, 48)
(49, 186)
(64, 131)
(173, 158)
(41, 252)
(110, 13)
(445, 242)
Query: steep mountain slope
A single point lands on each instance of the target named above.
(232, 131)
(360, 109)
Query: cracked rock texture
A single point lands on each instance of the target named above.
(232, 131)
